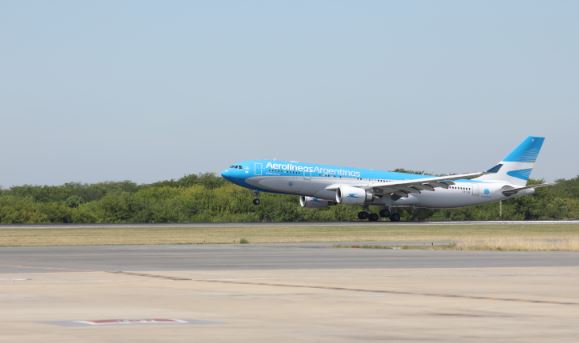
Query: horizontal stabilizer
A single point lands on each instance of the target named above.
(513, 191)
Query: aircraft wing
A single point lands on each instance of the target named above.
(401, 189)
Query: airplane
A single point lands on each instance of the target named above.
(320, 186)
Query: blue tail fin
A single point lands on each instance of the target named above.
(527, 151)
(517, 166)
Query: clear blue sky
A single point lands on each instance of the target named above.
(152, 90)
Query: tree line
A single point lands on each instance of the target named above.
(209, 198)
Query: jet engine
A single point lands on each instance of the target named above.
(311, 202)
(352, 195)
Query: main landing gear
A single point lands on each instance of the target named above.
(363, 215)
(384, 213)
(394, 217)
(373, 217)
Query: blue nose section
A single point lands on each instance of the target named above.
(234, 174)
(227, 173)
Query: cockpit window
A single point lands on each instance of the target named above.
(236, 166)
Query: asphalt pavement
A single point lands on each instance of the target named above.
(262, 256)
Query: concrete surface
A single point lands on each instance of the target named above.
(259, 294)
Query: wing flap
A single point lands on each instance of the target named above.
(428, 182)
(401, 189)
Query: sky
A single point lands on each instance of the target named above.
(155, 90)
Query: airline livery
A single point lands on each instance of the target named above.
(321, 185)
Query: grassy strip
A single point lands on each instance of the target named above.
(394, 246)
(518, 244)
(547, 237)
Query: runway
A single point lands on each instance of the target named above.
(261, 257)
(285, 293)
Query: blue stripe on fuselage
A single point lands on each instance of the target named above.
(288, 168)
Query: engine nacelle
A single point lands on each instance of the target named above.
(311, 202)
(352, 195)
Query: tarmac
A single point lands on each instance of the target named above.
(286, 292)
(262, 256)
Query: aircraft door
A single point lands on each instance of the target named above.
(475, 189)
(258, 168)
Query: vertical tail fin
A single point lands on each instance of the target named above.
(517, 166)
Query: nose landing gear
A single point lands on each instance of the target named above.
(256, 200)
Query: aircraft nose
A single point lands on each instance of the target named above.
(226, 173)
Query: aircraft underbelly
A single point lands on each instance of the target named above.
(316, 187)
(287, 184)
(438, 199)
(442, 198)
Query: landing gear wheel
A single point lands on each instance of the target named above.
(362, 215)
(373, 217)
(395, 217)
(256, 200)
(385, 213)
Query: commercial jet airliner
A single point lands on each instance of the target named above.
(321, 185)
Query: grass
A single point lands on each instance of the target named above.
(394, 246)
(536, 237)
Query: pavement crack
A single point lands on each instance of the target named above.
(360, 290)
(383, 291)
(156, 276)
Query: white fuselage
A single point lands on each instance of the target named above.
(464, 193)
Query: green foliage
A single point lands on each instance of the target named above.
(208, 198)
(74, 201)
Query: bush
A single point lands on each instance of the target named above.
(208, 198)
